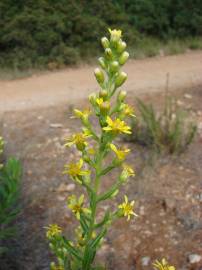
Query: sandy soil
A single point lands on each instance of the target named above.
(148, 75)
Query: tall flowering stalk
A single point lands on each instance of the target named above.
(88, 171)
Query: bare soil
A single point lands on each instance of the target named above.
(70, 85)
(167, 189)
(35, 119)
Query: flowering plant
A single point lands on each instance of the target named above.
(112, 114)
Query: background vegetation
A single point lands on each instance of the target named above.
(10, 175)
(48, 33)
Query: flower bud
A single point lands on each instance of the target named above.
(114, 193)
(122, 96)
(121, 46)
(52, 266)
(60, 260)
(103, 94)
(120, 79)
(105, 107)
(108, 53)
(105, 42)
(86, 158)
(92, 98)
(115, 36)
(51, 246)
(102, 62)
(123, 58)
(99, 75)
(114, 67)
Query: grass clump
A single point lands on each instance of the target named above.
(169, 130)
(10, 175)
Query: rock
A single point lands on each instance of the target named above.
(194, 258)
(180, 103)
(56, 125)
(61, 198)
(169, 204)
(71, 187)
(200, 125)
(148, 233)
(142, 210)
(63, 187)
(188, 96)
(199, 113)
(145, 261)
(199, 197)
(29, 172)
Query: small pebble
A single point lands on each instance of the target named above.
(188, 96)
(145, 261)
(194, 258)
(56, 125)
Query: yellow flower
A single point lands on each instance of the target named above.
(116, 34)
(82, 114)
(79, 139)
(126, 173)
(91, 151)
(120, 153)
(127, 208)
(117, 126)
(53, 230)
(128, 170)
(76, 205)
(99, 101)
(163, 265)
(128, 110)
(74, 169)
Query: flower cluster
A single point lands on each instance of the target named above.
(99, 155)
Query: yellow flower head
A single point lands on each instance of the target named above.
(126, 173)
(79, 139)
(127, 208)
(76, 205)
(120, 153)
(75, 169)
(128, 170)
(82, 114)
(79, 235)
(115, 34)
(163, 265)
(128, 110)
(91, 151)
(117, 126)
(99, 101)
(53, 230)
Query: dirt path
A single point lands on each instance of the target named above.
(148, 75)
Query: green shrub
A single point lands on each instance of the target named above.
(43, 33)
(168, 130)
(10, 175)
